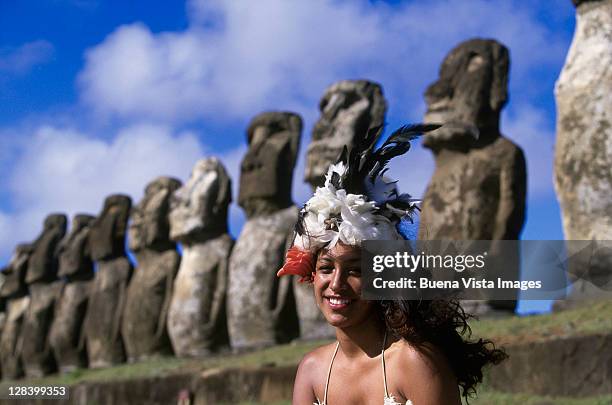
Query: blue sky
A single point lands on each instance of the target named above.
(99, 97)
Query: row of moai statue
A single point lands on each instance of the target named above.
(217, 292)
(60, 312)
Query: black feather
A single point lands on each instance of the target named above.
(364, 163)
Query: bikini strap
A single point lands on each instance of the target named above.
(383, 365)
(329, 373)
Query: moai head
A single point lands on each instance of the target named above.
(73, 251)
(267, 168)
(579, 2)
(199, 208)
(42, 265)
(470, 93)
(149, 227)
(107, 233)
(15, 273)
(348, 109)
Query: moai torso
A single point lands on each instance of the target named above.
(76, 271)
(14, 291)
(348, 108)
(583, 150)
(38, 359)
(261, 308)
(197, 321)
(478, 189)
(150, 289)
(103, 319)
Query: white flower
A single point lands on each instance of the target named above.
(356, 217)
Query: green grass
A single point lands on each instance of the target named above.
(590, 319)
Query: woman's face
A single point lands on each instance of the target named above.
(337, 286)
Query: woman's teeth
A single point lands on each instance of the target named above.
(339, 301)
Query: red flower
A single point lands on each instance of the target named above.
(298, 263)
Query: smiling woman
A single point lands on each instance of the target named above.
(400, 352)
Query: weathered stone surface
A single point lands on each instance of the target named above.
(15, 273)
(197, 321)
(107, 234)
(576, 366)
(103, 319)
(583, 150)
(478, 188)
(150, 290)
(261, 308)
(44, 290)
(348, 108)
(266, 171)
(66, 336)
(37, 355)
(17, 301)
(11, 343)
(73, 251)
(260, 305)
(42, 266)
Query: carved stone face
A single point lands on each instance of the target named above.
(43, 262)
(15, 272)
(267, 168)
(73, 251)
(200, 206)
(107, 233)
(471, 89)
(348, 108)
(149, 226)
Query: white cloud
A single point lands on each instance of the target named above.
(63, 170)
(22, 59)
(239, 58)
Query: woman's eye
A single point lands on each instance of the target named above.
(355, 272)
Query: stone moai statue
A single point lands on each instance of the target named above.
(583, 150)
(261, 307)
(107, 297)
(67, 336)
(150, 290)
(197, 321)
(348, 108)
(45, 288)
(15, 292)
(478, 189)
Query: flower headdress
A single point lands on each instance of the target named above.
(357, 202)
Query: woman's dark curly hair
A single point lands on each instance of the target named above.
(443, 323)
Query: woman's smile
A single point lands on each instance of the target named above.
(337, 286)
(338, 303)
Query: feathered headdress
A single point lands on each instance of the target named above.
(358, 202)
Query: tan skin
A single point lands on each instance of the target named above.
(419, 374)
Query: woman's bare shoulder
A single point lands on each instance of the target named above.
(423, 372)
(318, 359)
(311, 374)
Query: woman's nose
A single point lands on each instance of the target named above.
(337, 281)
